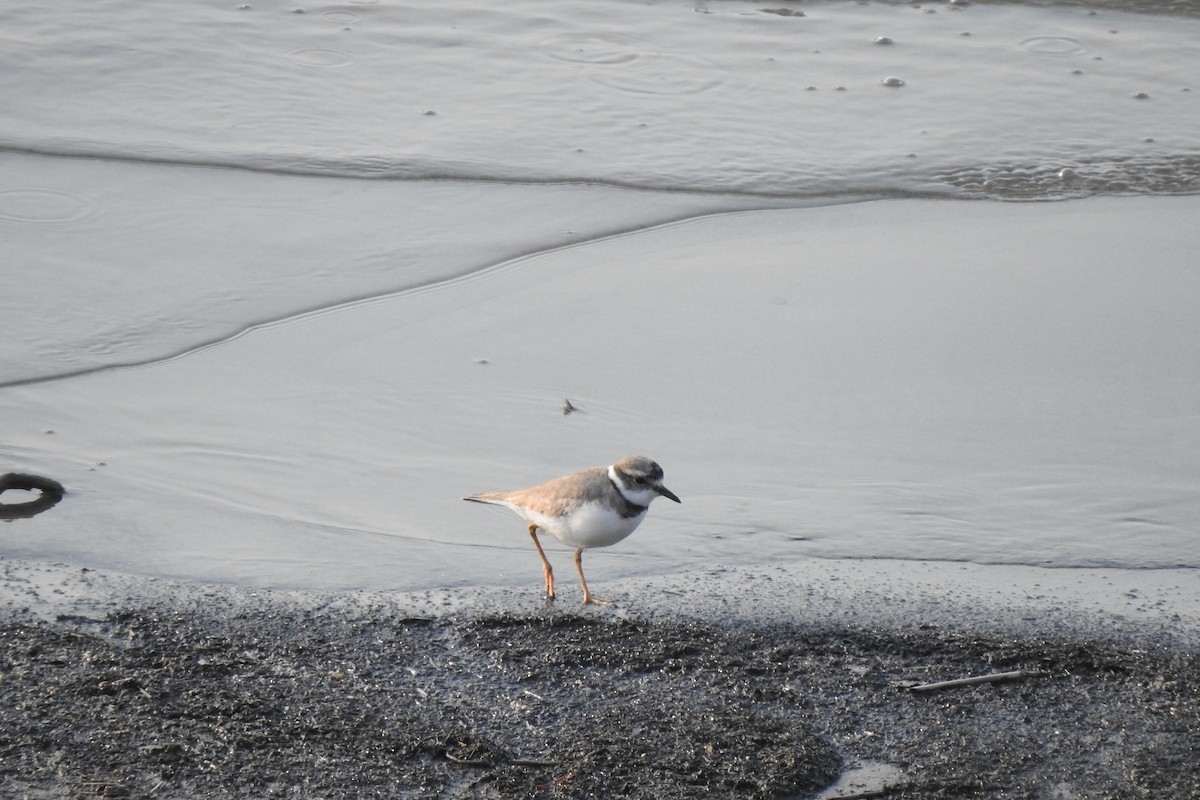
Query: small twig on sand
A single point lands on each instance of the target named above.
(958, 790)
(468, 762)
(533, 762)
(993, 678)
(872, 794)
(516, 762)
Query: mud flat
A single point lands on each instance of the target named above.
(114, 686)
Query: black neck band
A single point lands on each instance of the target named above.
(626, 508)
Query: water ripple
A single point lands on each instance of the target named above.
(42, 205)
(320, 58)
(663, 75)
(1052, 46)
(1083, 177)
(579, 48)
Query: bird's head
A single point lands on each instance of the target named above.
(641, 480)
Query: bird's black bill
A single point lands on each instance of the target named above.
(667, 493)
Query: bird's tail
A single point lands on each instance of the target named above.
(491, 498)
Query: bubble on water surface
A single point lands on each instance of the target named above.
(1052, 46)
(883, 40)
(320, 58)
(892, 80)
(42, 205)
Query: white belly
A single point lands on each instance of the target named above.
(590, 525)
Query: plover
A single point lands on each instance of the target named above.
(593, 508)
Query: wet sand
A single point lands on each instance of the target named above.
(130, 687)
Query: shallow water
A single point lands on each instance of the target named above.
(283, 286)
(991, 100)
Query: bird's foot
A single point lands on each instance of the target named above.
(589, 600)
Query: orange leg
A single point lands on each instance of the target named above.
(547, 570)
(588, 600)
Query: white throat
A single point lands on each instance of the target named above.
(638, 495)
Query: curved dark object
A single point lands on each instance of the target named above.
(52, 491)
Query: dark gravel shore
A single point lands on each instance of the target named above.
(270, 699)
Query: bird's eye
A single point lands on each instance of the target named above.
(640, 481)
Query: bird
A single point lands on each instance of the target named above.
(595, 507)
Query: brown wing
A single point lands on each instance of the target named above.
(556, 496)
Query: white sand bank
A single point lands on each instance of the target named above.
(1137, 607)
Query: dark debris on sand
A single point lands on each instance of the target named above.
(285, 702)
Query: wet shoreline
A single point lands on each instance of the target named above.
(189, 691)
